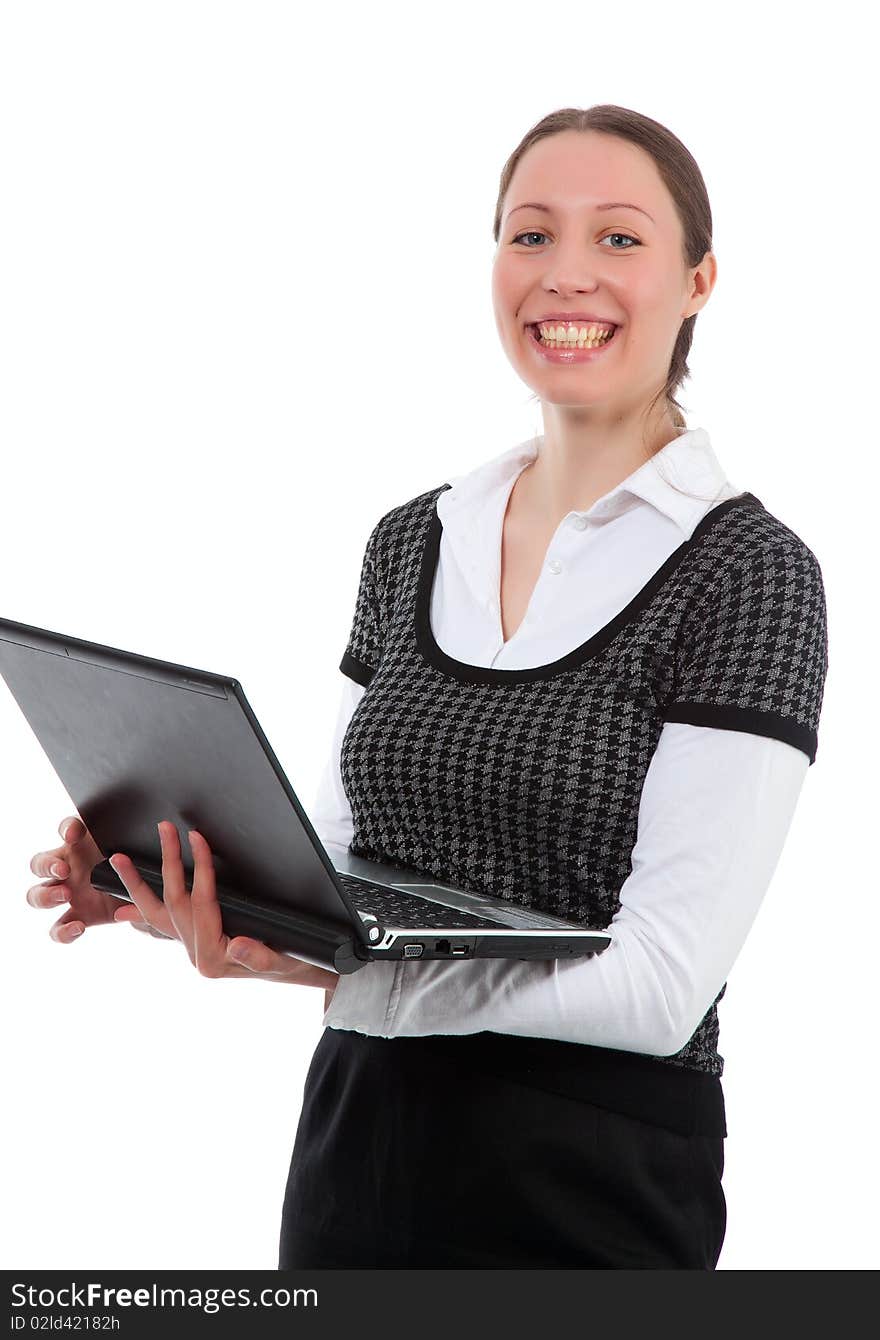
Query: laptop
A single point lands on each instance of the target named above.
(136, 740)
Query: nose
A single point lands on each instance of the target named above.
(570, 271)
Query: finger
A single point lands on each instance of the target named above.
(256, 956)
(66, 928)
(209, 938)
(259, 959)
(71, 830)
(150, 930)
(128, 912)
(48, 895)
(174, 890)
(151, 908)
(54, 862)
(50, 863)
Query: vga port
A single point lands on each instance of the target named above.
(413, 950)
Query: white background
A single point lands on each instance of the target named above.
(196, 197)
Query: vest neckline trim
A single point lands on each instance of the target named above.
(482, 674)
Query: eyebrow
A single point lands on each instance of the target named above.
(615, 204)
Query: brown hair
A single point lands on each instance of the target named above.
(683, 180)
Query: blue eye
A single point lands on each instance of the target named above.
(533, 233)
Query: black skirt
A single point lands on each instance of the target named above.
(491, 1150)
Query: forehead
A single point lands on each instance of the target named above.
(576, 170)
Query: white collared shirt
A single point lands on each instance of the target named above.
(715, 808)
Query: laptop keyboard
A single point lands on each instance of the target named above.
(393, 907)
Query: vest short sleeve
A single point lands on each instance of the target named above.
(754, 655)
(363, 650)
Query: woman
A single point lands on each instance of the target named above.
(586, 676)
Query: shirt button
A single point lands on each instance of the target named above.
(554, 565)
(580, 523)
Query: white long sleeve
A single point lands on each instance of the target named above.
(715, 808)
(715, 811)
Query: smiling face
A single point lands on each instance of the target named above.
(577, 256)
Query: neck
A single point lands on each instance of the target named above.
(582, 457)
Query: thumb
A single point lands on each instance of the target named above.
(128, 912)
(255, 955)
(242, 951)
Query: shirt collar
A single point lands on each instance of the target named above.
(687, 462)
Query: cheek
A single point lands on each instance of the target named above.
(656, 298)
(507, 284)
(507, 301)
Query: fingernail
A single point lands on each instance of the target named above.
(56, 868)
(78, 930)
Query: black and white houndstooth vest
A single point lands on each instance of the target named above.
(525, 784)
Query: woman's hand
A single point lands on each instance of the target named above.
(70, 870)
(195, 918)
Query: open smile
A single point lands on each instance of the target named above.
(569, 353)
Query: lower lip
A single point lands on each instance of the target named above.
(573, 355)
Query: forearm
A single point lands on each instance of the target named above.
(715, 812)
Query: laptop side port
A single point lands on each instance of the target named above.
(447, 949)
(413, 950)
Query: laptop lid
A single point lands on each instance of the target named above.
(134, 740)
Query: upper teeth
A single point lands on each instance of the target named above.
(570, 331)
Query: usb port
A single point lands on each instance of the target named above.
(459, 950)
